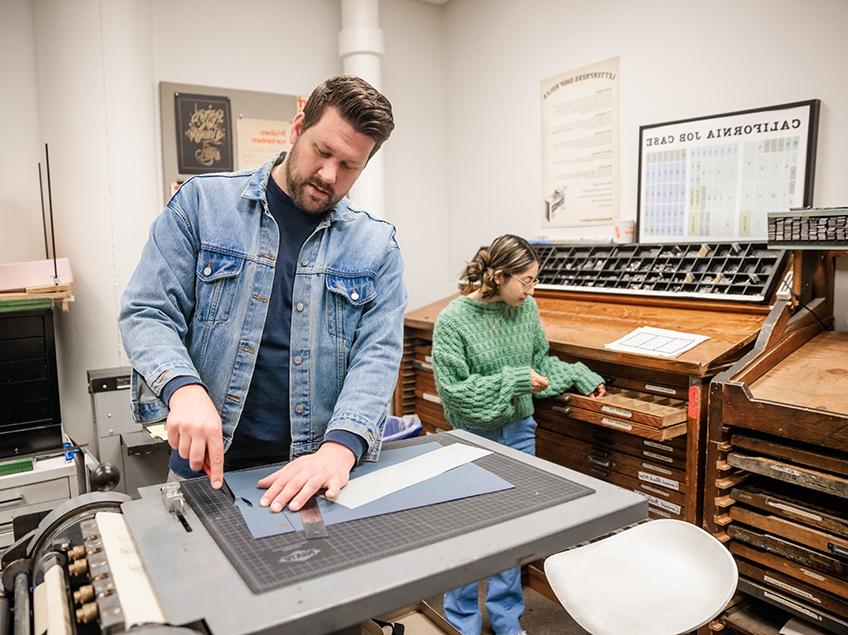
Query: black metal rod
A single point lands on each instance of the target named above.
(22, 606)
(43, 217)
(50, 202)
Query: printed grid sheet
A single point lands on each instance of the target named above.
(278, 561)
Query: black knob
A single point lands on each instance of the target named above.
(105, 477)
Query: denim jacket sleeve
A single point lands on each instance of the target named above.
(374, 358)
(155, 311)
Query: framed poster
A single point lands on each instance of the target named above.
(204, 133)
(580, 146)
(716, 178)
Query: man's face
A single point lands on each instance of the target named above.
(324, 162)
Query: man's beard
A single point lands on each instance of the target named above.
(297, 188)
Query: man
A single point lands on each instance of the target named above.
(265, 318)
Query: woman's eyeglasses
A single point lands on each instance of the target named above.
(526, 284)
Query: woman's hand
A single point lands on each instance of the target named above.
(537, 382)
(600, 391)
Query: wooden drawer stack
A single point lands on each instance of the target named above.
(635, 440)
(656, 411)
(778, 473)
(428, 404)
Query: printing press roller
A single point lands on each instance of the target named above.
(78, 572)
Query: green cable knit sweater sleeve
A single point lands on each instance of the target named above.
(473, 400)
(561, 374)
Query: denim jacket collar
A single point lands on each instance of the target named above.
(255, 190)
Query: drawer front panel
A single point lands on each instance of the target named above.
(634, 406)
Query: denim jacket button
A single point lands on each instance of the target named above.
(298, 360)
(354, 296)
(304, 262)
(298, 409)
(207, 271)
(299, 306)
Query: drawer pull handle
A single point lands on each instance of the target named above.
(839, 552)
(662, 389)
(618, 412)
(616, 424)
(563, 409)
(601, 463)
(11, 501)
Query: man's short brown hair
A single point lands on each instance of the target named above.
(357, 102)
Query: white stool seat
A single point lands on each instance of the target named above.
(663, 577)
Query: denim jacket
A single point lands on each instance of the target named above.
(197, 302)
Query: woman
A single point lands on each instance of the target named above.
(490, 358)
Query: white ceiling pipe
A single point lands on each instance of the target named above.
(361, 50)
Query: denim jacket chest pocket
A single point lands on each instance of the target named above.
(350, 293)
(217, 279)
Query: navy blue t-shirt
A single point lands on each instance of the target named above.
(263, 434)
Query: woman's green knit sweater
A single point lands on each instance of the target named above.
(482, 356)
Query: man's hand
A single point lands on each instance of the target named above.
(537, 382)
(194, 429)
(298, 481)
(600, 391)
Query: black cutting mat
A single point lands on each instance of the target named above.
(278, 561)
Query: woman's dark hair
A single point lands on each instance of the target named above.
(508, 254)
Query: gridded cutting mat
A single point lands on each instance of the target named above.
(278, 561)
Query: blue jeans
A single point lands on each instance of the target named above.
(504, 598)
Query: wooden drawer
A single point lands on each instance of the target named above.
(813, 562)
(425, 381)
(18, 500)
(665, 390)
(820, 458)
(630, 427)
(670, 453)
(795, 504)
(814, 479)
(431, 415)
(828, 583)
(827, 543)
(804, 592)
(826, 622)
(555, 445)
(634, 407)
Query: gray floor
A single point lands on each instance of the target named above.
(541, 616)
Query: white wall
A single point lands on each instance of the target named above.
(678, 60)
(85, 76)
(414, 73)
(21, 236)
(95, 107)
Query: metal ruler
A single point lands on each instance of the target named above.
(313, 521)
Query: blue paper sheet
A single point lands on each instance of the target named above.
(461, 482)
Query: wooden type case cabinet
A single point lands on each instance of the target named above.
(649, 433)
(777, 475)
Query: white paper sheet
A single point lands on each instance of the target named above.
(370, 487)
(647, 340)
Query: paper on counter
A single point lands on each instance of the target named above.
(370, 487)
(466, 480)
(647, 340)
